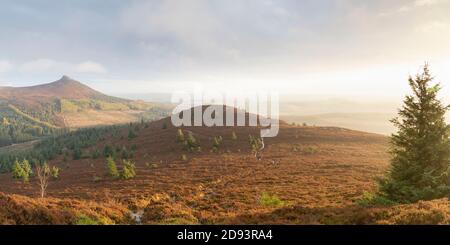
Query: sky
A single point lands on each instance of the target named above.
(358, 48)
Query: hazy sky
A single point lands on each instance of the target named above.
(340, 47)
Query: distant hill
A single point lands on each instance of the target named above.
(30, 112)
(365, 115)
(368, 122)
(64, 88)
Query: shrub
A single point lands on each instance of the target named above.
(128, 170)
(191, 143)
(97, 179)
(234, 136)
(256, 144)
(83, 219)
(125, 153)
(65, 157)
(217, 142)
(369, 200)
(131, 134)
(184, 157)
(112, 167)
(308, 150)
(151, 165)
(95, 154)
(108, 151)
(270, 200)
(54, 172)
(180, 135)
(77, 154)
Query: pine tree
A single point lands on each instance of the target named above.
(131, 134)
(108, 151)
(128, 171)
(190, 143)
(17, 170)
(26, 166)
(112, 167)
(421, 147)
(77, 153)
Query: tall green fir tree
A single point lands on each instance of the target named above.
(420, 163)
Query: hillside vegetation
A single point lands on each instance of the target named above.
(307, 175)
(18, 127)
(29, 113)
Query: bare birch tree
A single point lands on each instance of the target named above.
(43, 174)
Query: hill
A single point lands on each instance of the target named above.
(27, 113)
(305, 175)
(64, 88)
(369, 122)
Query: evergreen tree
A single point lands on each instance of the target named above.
(190, 143)
(128, 171)
(421, 147)
(77, 153)
(131, 134)
(112, 168)
(108, 151)
(256, 145)
(27, 170)
(17, 170)
(26, 166)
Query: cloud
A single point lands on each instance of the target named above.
(39, 65)
(5, 66)
(233, 41)
(90, 67)
(45, 65)
(420, 3)
(413, 5)
(212, 33)
(436, 27)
